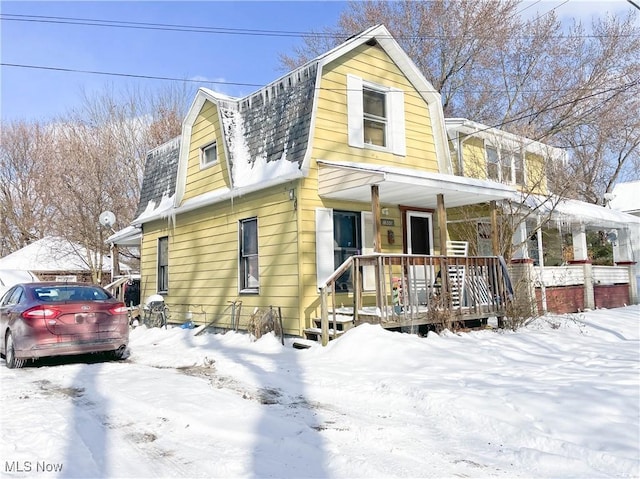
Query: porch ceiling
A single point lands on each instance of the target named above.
(404, 186)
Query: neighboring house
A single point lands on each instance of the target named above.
(327, 189)
(549, 232)
(56, 259)
(625, 197)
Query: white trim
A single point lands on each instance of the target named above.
(419, 214)
(503, 139)
(366, 237)
(355, 108)
(203, 154)
(324, 244)
(396, 134)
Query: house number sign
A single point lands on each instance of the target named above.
(387, 222)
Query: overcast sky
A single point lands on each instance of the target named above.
(234, 59)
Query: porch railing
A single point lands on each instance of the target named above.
(398, 290)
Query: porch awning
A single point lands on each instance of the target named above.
(129, 236)
(580, 212)
(405, 186)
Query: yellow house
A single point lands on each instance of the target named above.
(542, 229)
(262, 198)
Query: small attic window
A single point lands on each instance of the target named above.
(208, 155)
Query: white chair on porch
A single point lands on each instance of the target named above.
(457, 272)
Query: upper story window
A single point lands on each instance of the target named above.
(504, 165)
(375, 116)
(208, 155)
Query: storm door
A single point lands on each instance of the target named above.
(346, 243)
(419, 226)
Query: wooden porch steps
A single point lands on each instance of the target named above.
(343, 322)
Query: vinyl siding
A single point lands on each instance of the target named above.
(330, 138)
(474, 160)
(203, 259)
(205, 130)
(535, 174)
(330, 142)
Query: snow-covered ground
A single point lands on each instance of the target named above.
(560, 398)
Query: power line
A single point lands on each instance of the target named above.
(128, 75)
(225, 30)
(253, 85)
(156, 26)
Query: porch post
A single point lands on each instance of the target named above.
(375, 211)
(495, 233)
(377, 241)
(442, 224)
(579, 239)
(623, 256)
(519, 241)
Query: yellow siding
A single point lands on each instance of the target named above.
(203, 259)
(330, 142)
(206, 129)
(475, 165)
(535, 174)
(474, 159)
(330, 138)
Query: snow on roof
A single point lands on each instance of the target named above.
(626, 197)
(51, 254)
(502, 138)
(128, 236)
(155, 211)
(575, 211)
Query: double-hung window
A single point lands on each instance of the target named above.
(493, 163)
(374, 104)
(208, 155)
(375, 116)
(248, 254)
(163, 264)
(504, 165)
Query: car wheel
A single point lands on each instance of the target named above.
(117, 354)
(10, 355)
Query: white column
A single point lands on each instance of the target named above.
(622, 251)
(519, 241)
(579, 243)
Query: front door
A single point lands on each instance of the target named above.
(346, 243)
(419, 232)
(419, 225)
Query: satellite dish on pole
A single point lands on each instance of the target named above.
(107, 219)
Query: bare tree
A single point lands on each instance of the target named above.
(25, 197)
(58, 178)
(535, 77)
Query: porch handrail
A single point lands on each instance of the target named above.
(411, 288)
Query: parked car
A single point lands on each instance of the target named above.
(56, 319)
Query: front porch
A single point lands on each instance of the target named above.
(400, 291)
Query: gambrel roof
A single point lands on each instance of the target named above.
(267, 134)
(159, 182)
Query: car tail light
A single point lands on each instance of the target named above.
(120, 309)
(41, 312)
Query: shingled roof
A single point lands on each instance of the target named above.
(272, 124)
(266, 134)
(159, 182)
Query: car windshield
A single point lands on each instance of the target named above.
(69, 293)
